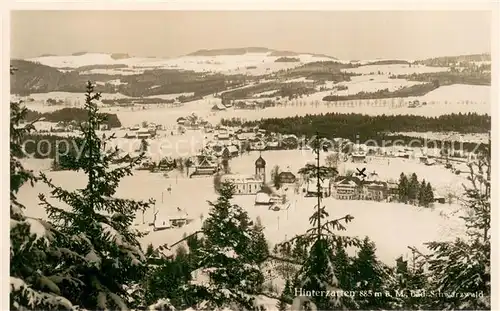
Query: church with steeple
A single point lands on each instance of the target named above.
(249, 184)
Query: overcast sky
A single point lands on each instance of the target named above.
(345, 35)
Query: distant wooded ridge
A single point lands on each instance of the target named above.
(353, 126)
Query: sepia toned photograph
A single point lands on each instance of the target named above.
(250, 160)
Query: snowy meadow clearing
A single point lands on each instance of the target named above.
(400, 225)
(444, 100)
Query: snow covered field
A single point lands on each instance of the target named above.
(444, 100)
(403, 225)
(373, 83)
(236, 64)
(395, 69)
(168, 115)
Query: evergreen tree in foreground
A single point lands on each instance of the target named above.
(463, 265)
(318, 272)
(108, 258)
(227, 257)
(369, 275)
(33, 253)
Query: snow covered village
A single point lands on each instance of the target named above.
(249, 178)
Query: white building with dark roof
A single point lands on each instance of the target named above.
(244, 184)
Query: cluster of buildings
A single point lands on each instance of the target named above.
(137, 132)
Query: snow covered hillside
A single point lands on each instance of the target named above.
(248, 63)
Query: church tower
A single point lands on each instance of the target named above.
(260, 168)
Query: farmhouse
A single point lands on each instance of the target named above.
(229, 152)
(222, 135)
(181, 120)
(170, 219)
(287, 178)
(204, 167)
(430, 162)
(439, 199)
(143, 133)
(130, 135)
(218, 107)
(359, 157)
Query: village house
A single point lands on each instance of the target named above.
(346, 188)
(259, 145)
(358, 157)
(230, 151)
(181, 121)
(218, 107)
(353, 188)
(143, 133)
(131, 135)
(422, 159)
(222, 135)
(204, 167)
(439, 199)
(170, 219)
(430, 162)
(286, 178)
(373, 190)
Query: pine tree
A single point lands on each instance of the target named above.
(318, 272)
(167, 280)
(422, 194)
(403, 188)
(286, 295)
(343, 265)
(428, 195)
(407, 285)
(34, 281)
(108, 259)
(275, 176)
(226, 256)
(413, 186)
(259, 247)
(464, 265)
(368, 277)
